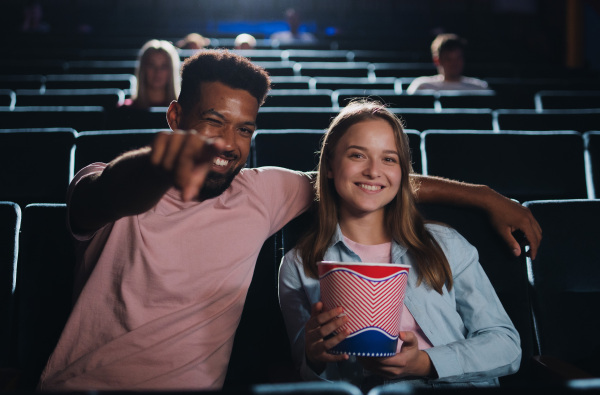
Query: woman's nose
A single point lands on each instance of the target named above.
(371, 168)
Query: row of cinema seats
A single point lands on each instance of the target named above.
(551, 300)
(89, 118)
(523, 165)
(287, 62)
(505, 92)
(334, 97)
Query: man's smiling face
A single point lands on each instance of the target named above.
(229, 114)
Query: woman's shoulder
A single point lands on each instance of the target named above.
(293, 255)
(456, 247)
(442, 231)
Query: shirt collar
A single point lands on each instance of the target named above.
(337, 240)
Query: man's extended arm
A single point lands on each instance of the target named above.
(135, 181)
(506, 215)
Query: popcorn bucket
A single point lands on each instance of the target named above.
(372, 296)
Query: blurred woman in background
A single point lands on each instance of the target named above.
(157, 74)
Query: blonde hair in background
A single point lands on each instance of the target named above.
(174, 84)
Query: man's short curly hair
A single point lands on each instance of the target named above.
(223, 66)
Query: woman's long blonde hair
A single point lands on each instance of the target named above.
(140, 96)
(403, 221)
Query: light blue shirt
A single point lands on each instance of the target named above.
(474, 341)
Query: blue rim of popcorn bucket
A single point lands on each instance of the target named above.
(368, 342)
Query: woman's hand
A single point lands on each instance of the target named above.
(319, 336)
(410, 361)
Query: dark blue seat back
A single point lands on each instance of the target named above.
(519, 165)
(10, 224)
(44, 287)
(565, 281)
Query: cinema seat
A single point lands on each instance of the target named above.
(79, 118)
(44, 287)
(22, 81)
(35, 164)
(563, 99)
(261, 353)
(291, 82)
(519, 164)
(592, 151)
(332, 69)
(470, 99)
(390, 97)
(580, 120)
(295, 117)
(565, 282)
(362, 83)
(299, 98)
(7, 98)
(106, 145)
(126, 82)
(10, 225)
(108, 98)
(295, 149)
(455, 118)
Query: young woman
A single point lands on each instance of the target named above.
(454, 330)
(157, 76)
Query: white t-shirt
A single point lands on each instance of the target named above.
(437, 83)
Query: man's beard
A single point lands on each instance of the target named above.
(216, 183)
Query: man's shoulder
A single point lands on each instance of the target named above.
(474, 82)
(428, 79)
(272, 180)
(268, 172)
(424, 83)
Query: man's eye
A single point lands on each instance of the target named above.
(246, 131)
(214, 121)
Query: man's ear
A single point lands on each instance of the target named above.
(436, 60)
(174, 114)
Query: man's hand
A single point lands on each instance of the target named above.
(508, 216)
(186, 157)
(409, 362)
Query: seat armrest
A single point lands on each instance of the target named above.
(547, 367)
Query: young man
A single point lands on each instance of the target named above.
(448, 53)
(169, 236)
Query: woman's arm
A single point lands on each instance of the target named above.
(506, 215)
(298, 310)
(488, 329)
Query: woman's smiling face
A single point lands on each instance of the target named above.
(365, 168)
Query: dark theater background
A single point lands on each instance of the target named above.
(534, 32)
(68, 68)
